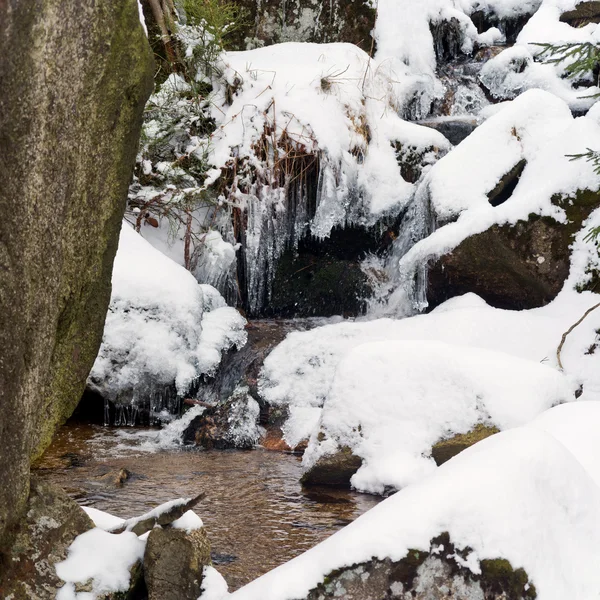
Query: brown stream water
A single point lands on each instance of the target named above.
(256, 513)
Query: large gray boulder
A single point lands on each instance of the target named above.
(74, 77)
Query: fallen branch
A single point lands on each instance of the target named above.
(566, 333)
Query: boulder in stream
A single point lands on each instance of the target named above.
(333, 469)
(174, 562)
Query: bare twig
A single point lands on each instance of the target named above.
(566, 333)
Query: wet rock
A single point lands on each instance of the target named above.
(333, 469)
(455, 130)
(173, 563)
(115, 479)
(275, 21)
(233, 424)
(448, 39)
(323, 278)
(41, 539)
(513, 267)
(583, 14)
(75, 76)
(506, 186)
(434, 575)
(509, 26)
(446, 449)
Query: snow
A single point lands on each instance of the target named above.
(102, 557)
(214, 586)
(519, 495)
(162, 327)
(190, 521)
(141, 15)
(390, 402)
(103, 520)
(323, 96)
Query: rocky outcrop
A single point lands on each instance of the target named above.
(514, 267)
(448, 448)
(75, 77)
(333, 469)
(275, 21)
(174, 562)
(51, 524)
(435, 575)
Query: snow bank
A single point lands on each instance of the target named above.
(162, 327)
(390, 402)
(520, 495)
(214, 586)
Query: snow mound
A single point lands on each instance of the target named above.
(390, 402)
(162, 327)
(300, 372)
(521, 495)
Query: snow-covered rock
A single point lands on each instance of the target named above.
(162, 328)
(390, 402)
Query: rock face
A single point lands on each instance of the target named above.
(512, 266)
(275, 21)
(173, 563)
(433, 575)
(75, 77)
(41, 539)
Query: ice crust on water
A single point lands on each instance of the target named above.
(522, 495)
(162, 327)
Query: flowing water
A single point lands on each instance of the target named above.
(256, 513)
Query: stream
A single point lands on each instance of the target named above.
(256, 513)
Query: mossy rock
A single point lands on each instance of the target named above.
(513, 267)
(334, 470)
(446, 449)
(436, 574)
(76, 76)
